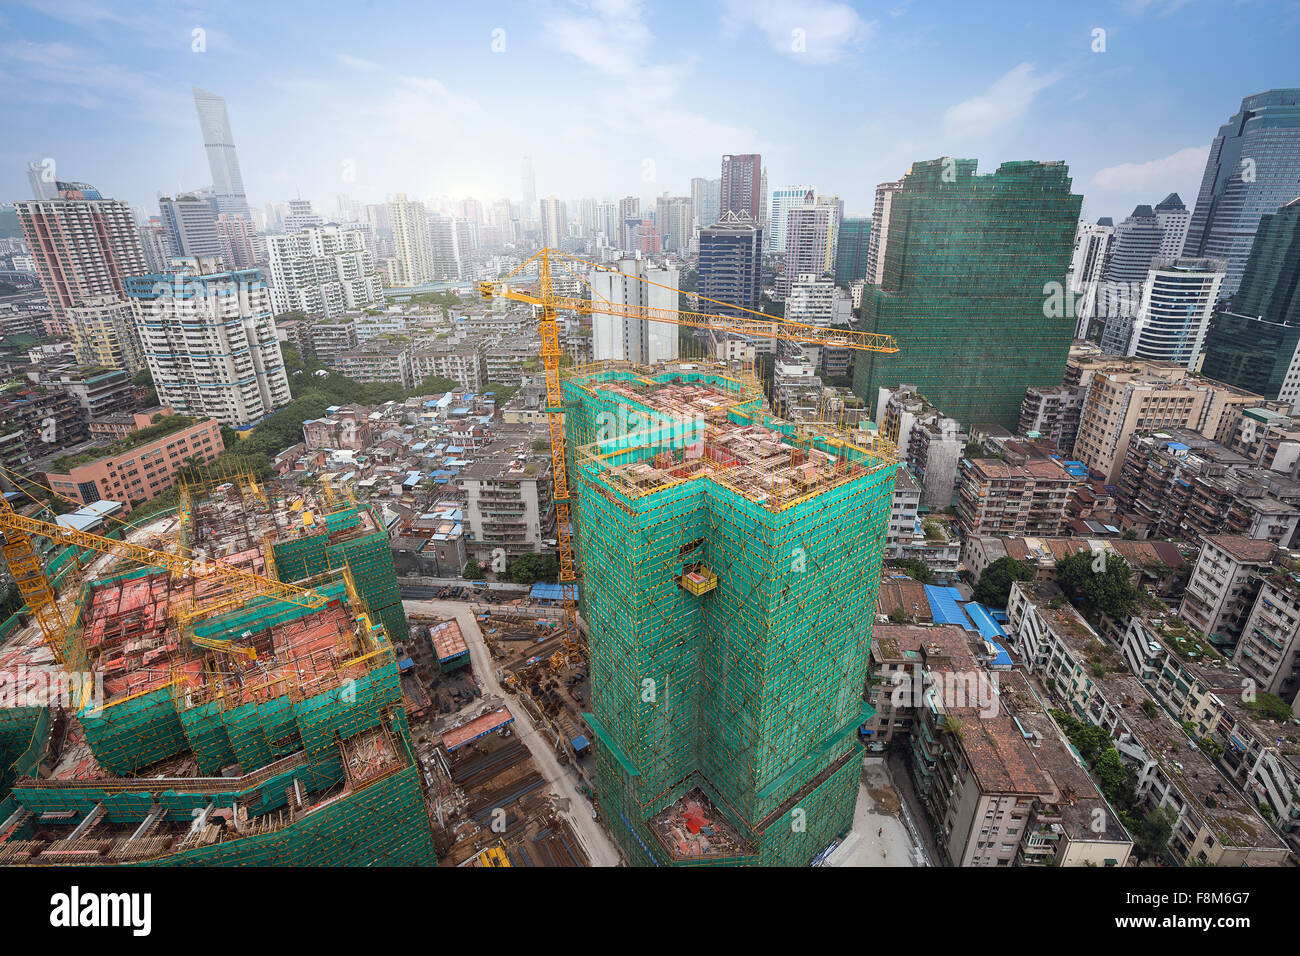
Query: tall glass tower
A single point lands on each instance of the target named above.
(967, 266)
(1253, 169)
(219, 141)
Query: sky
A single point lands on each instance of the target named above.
(623, 97)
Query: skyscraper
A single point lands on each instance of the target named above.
(1173, 315)
(1092, 245)
(409, 221)
(219, 141)
(706, 197)
(885, 193)
(742, 186)
(1253, 169)
(851, 254)
(634, 339)
(210, 340)
(809, 230)
(555, 228)
(85, 246)
(782, 200)
(675, 217)
(191, 226)
(1174, 219)
(239, 243)
(629, 218)
(731, 264)
(529, 188)
(322, 270)
(965, 268)
(1257, 345)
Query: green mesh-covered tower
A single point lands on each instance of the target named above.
(965, 287)
(730, 568)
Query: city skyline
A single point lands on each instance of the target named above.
(371, 112)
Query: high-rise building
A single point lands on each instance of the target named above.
(731, 264)
(718, 709)
(155, 244)
(675, 219)
(1092, 245)
(409, 221)
(607, 222)
(629, 218)
(587, 220)
(1174, 313)
(239, 242)
(209, 338)
(1174, 219)
(301, 216)
(1253, 169)
(706, 197)
(742, 186)
(851, 252)
(885, 194)
(85, 246)
(322, 271)
(809, 230)
(634, 339)
(103, 333)
(528, 182)
(1257, 345)
(783, 199)
(555, 228)
(219, 141)
(964, 268)
(40, 177)
(191, 226)
(811, 300)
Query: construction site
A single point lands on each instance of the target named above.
(730, 566)
(219, 725)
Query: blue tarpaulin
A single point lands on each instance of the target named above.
(944, 606)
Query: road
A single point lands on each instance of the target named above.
(600, 849)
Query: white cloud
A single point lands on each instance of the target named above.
(820, 30)
(613, 39)
(1000, 106)
(357, 63)
(1186, 165)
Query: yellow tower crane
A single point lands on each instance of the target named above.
(547, 304)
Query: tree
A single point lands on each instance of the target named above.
(473, 571)
(994, 586)
(1270, 707)
(1109, 592)
(916, 569)
(143, 378)
(531, 568)
(1151, 836)
(437, 384)
(898, 616)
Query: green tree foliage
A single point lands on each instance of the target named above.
(1271, 707)
(1151, 835)
(473, 571)
(994, 586)
(531, 568)
(1109, 592)
(916, 569)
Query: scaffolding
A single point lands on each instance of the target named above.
(731, 562)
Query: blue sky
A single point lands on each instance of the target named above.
(617, 97)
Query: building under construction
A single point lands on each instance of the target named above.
(227, 727)
(730, 565)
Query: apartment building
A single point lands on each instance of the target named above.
(1269, 649)
(1052, 414)
(37, 420)
(332, 337)
(466, 367)
(103, 333)
(507, 494)
(1178, 484)
(1224, 584)
(903, 523)
(1214, 824)
(138, 467)
(1142, 397)
(322, 270)
(210, 340)
(345, 428)
(995, 497)
(930, 442)
(378, 361)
